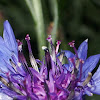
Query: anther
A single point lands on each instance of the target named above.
(57, 47)
(13, 65)
(53, 51)
(49, 39)
(19, 45)
(87, 79)
(72, 44)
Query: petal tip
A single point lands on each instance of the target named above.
(6, 21)
(86, 40)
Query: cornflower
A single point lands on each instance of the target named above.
(48, 79)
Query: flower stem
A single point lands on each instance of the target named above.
(54, 8)
(35, 8)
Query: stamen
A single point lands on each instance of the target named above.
(61, 57)
(71, 95)
(77, 63)
(47, 59)
(53, 52)
(74, 71)
(57, 47)
(24, 63)
(4, 81)
(72, 44)
(46, 90)
(87, 79)
(32, 59)
(27, 38)
(23, 60)
(72, 60)
(81, 65)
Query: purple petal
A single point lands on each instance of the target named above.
(51, 84)
(59, 64)
(42, 68)
(82, 50)
(53, 67)
(60, 79)
(17, 78)
(62, 95)
(35, 73)
(28, 84)
(22, 98)
(39, 91)
(21, 70)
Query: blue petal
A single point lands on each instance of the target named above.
(2, 65)
(96, 82)
(1, 40)
(68, 67)
(82, 50)
(9, 38)
(68, 54)
(96, 75)
(4, 58)
(8, 92)
(3, 49)
(96, 89)
(89, 65)
(5, 97)
(78, 95)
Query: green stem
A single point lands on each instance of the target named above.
(54, 8)
(35, 8)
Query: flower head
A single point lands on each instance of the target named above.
(48, 79)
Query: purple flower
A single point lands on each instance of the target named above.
(82, 69)
(48, 79)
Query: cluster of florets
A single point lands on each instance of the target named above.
(48, 79)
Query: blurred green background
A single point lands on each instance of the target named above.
(66, 20)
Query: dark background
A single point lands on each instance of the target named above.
(78, 20)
